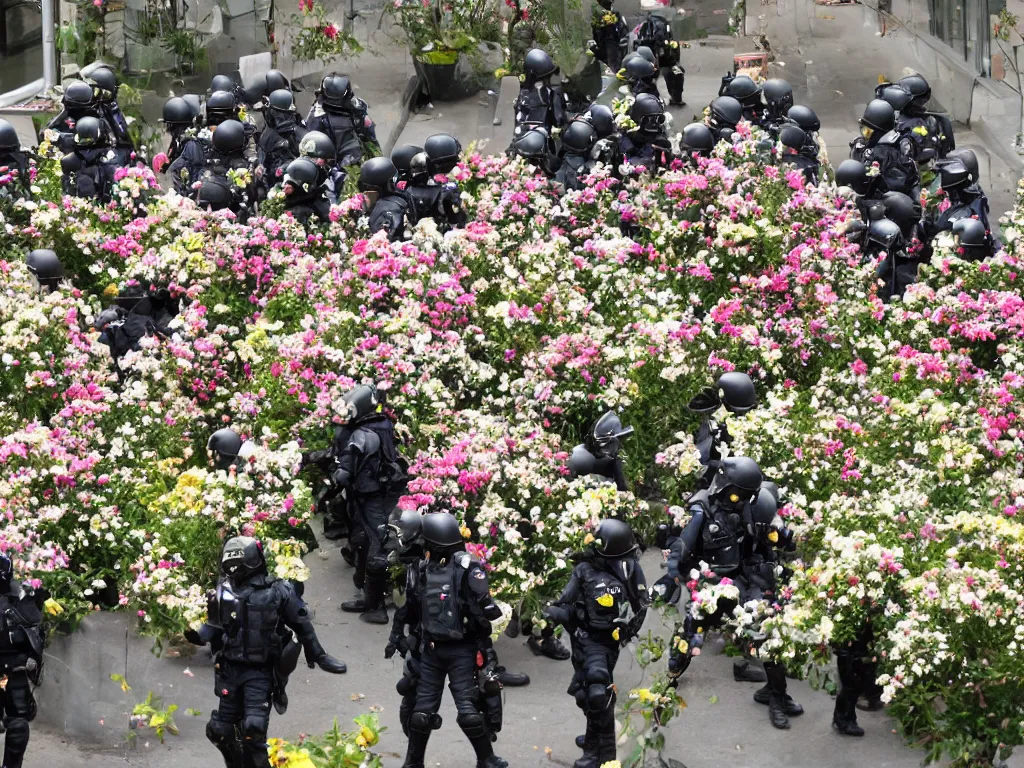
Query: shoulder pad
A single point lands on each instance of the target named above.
(581, 461)
(700, 499)
(26, 592)
(892, 137)
(365, 441)
(358, 103)
(465, 560)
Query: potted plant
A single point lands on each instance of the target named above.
(442, 37)
(319, 39)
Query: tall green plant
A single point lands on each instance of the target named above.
(568, 29)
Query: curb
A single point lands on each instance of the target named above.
(996, 147)
(408, 97)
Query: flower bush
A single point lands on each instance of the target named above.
(892, 429)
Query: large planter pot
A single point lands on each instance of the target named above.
(446, 82)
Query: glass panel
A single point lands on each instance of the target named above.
(21, 41)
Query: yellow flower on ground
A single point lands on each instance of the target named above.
(611, 764)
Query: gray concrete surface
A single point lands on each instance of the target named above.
(722, 725)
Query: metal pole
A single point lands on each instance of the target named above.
(49, 46)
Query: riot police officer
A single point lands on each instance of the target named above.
(345, 119)
(974, 243)
(220, 107)
(578, 141)
(539, 104)
(88, 170)
(304, 196)
(104, 89)
(226, 449)
(250, 621)
(21, 657)
(318, 147)
(389, 209)
(277, 81)
(898, 269)
(655, 33)
(799, 154)
(748, 94)
(411, 163)
(599, 455)
(880, 143)
(281, 137)
(807, 121)
(76, 103)
(603, 607)
(13, 162)
(725, 114)
(778, 98)
(932, 131)
(535, 147)
(697, 140)
(228, 171)
(186, 156)
(606, 148)
(734, 391)
(867, 196)
(966, 200)
(451, 604)
(367, 468)
(611, 35)
(45, 268)
(647, 146)
(640, 73)
(434, 199)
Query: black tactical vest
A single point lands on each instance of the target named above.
(440, 586)
(249, 616)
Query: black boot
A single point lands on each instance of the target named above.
(606, 742)
(591, 747)
(549, 646)
(844, 717)
(348, 556)
(417, 749)
(763, 694)
(492, 762)
(511, 679)
(776, 675)
(747, 672)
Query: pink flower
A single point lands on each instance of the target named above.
(330, 31)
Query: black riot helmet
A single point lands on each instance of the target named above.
(402, 157)
(442, 151)
(378, 174)
(965, 156)
(954, 175)
(256, 91)
(645, 52)
(648, 113)
(918, 88)
(896, 97)
(276, 81)
(222, 83)
(736, 391)
(538, 65)
(6, 572)
(318, 147)
(213, 195)
(407, 527)
(242, 558)
(604, 439)
(792, 137)
(223, 447)
(281, 100)
(614, 538)
(9, 141)
(104, 84)
(177, 113)
(301, 175)
(879, 116)
(362, 403)
(88, 131)
(900, 209)
(229, 138)
(744, 90)
(805, 117)
(579, 137)
(778, 95)
(853, 174)
(763, 511)
(441, 531)
(885, 235)
(533, 145)
(697, 137)
(45, 267)
(726, 111)
(973, 238)
(335, 92)
(638, 68)
(602, 118)
(737, 481)
(77, 95)
(221, 106)
(772, 488)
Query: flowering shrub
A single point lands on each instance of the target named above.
(335, 749)
(319, 38)
(892, 429)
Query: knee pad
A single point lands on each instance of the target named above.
(598, 676)
(424, 722)
(254, 727)
(405, 686)
(599, 697)
(17, 735)
(219, 731)
(472, 724)
(581, 699)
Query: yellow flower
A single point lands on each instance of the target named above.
(615, 634)
(773, 536)
(611, 764)
(466, 533)
(681, 645)
(920, 130)
(110, 290)
(588, 539)
(52, 607)
(606, 601)
(368, 736)
(644, 694)
(300, 760)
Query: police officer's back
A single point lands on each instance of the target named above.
(656, 34)
(778, 99)
(229, 174)
(611, 34)
(88, 171)
(76, 102)
(105, 87)
(599, 455)
(578, 140)
(434, 197)
(345, 118)
(279, 141)
(734, 391)
(539, 104)
(389, 210)
(880, 143)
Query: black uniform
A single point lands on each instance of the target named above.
(393, 214)
(349, 128)
(89, 172)
(611, 35)
(603, 606)
(449, 600)
(188, 161)
(656, 35)
(896, 161)
(278, 145)
(440, 202)
(251, 618)
(14, 163)
(539, 105)
(21, 661)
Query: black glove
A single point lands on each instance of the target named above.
(193, 637)
(328, 663)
